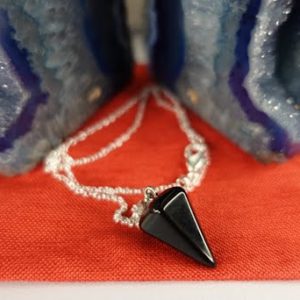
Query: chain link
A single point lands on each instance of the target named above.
(59, 163)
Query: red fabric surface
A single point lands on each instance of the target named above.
(250, 212)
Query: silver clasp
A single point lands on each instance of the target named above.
(194, 154)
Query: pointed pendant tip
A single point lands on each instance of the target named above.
(206, 260)
(211, 263)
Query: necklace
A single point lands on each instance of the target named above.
(164, 212)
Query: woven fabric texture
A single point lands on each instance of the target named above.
(250, 212)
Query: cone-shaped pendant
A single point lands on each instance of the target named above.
(170, 219)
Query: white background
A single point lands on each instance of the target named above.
(152, 291)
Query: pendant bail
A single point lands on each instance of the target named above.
(149, 195)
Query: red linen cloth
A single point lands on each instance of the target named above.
(250, 212)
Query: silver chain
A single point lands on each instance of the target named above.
(59, 163)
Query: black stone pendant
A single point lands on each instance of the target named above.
(170, 219)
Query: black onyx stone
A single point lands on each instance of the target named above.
(170, 219)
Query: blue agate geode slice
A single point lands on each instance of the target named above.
(241, 69)
(58, 61)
